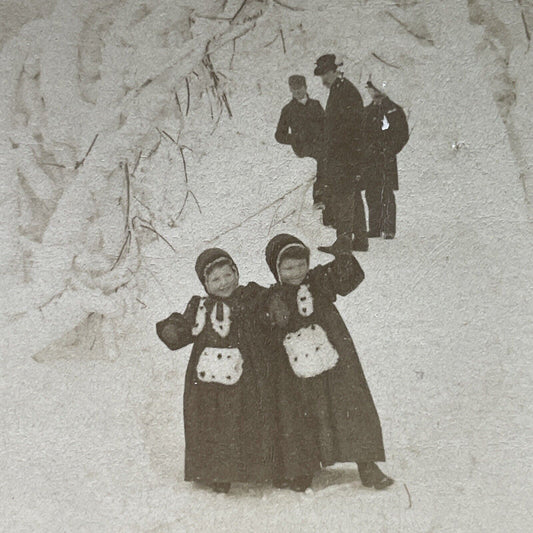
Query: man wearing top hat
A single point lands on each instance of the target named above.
(342, 140)
(301, 125)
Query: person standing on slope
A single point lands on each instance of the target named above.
(342, 138)
(226, 405)
(324, 404)
(301, 125)
(385, 133)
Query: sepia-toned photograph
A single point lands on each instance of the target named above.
(267, 266)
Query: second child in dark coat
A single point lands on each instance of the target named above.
(317, 361)
(386, 132)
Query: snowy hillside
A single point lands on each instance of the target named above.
(143, 135)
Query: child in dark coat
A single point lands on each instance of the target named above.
(227, 412)
(317, 363)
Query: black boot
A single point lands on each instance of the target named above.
(221, 488)
(341, 245)
(372, 476)
(301, 484)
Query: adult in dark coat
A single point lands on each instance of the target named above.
(338, 400)
(301, 125)
(228, 427)
(385, 132)
(342, 138)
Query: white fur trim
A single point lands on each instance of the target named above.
(220, 365)
(305, 301)
(200, 318)
(310, 352)
(221, 326)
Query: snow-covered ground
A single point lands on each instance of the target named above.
(92, 435)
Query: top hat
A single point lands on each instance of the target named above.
(325, 64)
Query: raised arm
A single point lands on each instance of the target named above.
(339, 277)
(176, 330)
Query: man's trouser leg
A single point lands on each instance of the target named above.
(360, 234)
(343, 205)
(388, 213)
(319, 187)
(373, 201)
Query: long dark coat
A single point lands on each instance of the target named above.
(228, 428)
(342, 134)
(382, 145)
(345, 423)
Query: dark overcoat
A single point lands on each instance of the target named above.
(345, 423)
(228, 428)
(342, 133)
(382, 142)
(302, 127)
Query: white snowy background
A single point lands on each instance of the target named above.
(98, 242)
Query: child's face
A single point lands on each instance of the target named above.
(293, 271)
(222, 281)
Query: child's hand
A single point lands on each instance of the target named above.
(170, 334)
(278, 311)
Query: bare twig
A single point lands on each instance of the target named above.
(188, 96)
(195, 200)
(189, 191)
(272, 41)
(210, 17)
(80, 163)
(153, 230)
(287, 6)
(54, 165)
(272, 220)
(154, 149)
(137, 162)
(184, 164)
(526, 29)
(217, 121)
(239, 10)
(385, 62)
(409, 496)
(178, 102)
(283, 41)
(224, 98)
(284, 218)
(128, 188)
(409, 30)
(182, 205)
(268, 206)
(145, 84)
(126, 243)
(163, 132)
(234, 41)
(210, 104)
(142, 303)
(144, 205)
